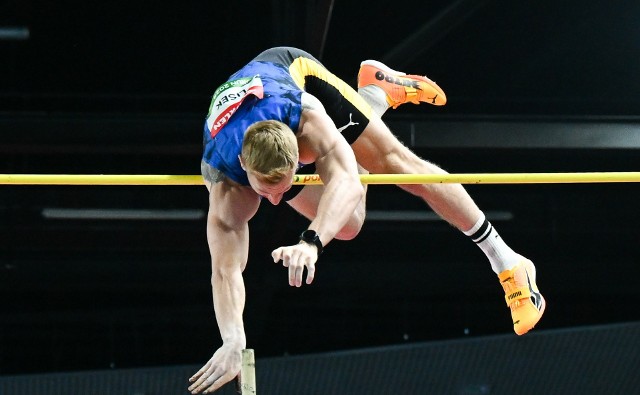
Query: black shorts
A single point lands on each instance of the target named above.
(295, 189)
(342, 103)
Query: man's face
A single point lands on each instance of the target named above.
(272, 192)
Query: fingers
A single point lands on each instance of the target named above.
(277, 254)
(295, 275)
(296, 272)
(311, 272)
(210, 380)
(200, 372)
(218, 371)
(204, 381)
(296, 269)
(296, 258)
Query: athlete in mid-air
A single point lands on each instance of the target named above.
(284, 113)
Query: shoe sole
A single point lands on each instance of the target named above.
(530, 269)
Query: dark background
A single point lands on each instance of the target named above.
(123, 87)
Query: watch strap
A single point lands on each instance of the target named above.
(310, 236)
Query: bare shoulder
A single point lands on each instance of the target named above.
(316, 122)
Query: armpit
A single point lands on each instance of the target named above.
(310, 102)
(210, 173)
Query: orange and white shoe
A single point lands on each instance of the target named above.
(400, 87)
(522, 296)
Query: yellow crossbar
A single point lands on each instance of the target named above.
(314, 179)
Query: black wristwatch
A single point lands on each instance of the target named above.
(311, 237)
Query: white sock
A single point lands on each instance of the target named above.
(375, 97)
(500, 255)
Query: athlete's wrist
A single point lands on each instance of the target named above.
(310, 236)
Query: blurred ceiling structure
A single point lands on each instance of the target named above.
(490, 56)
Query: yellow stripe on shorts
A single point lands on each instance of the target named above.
(302, 67)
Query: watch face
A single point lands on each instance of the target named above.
(309, 235)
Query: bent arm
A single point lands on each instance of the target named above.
(336, 163)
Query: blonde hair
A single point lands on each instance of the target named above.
(270, 149)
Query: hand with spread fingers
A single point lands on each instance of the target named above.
(223, 367)
(296, 258)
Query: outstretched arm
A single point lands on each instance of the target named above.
(230, 208)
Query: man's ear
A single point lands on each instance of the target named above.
(242, 163)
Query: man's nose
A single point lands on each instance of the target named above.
(275, 199)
